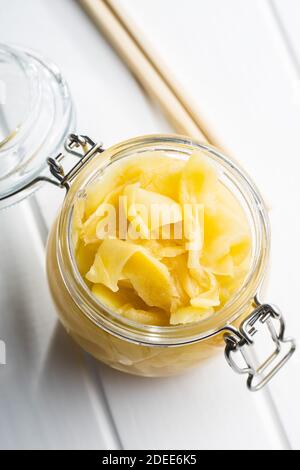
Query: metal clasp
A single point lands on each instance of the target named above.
(83, 148)
(242, 341)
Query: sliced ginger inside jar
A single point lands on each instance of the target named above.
(161, 241)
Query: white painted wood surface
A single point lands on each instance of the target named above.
(238, 60)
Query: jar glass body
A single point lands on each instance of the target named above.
(118, 342)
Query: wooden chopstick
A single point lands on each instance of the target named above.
(114, 23)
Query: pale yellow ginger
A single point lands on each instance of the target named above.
(161, 241)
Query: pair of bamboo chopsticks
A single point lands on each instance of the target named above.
(154, 77)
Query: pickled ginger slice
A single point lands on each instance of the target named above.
(210, 298)
(190, 314)
(121, 301)
(198, 181)
(103, 219)
(145, 317)
(97, 192)
(109, 262)
(114, 300)
(194, 233)
(209, 295)
(85, 255)
(162, 248)
(151, 280)
(164, 178)
(78, 217)
(151, 209)
(179, 270)
(227, 241)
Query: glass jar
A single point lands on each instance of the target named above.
(149, 350)
(121, 343)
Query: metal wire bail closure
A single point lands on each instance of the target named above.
(241, 341)
(237, 340)
(83, 148)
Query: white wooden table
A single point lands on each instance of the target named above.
(240, 61)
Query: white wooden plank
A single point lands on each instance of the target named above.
(238, 80)
(224, 55)
(284, 18)
(47, 397)
(207, 408)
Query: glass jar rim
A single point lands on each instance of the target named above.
(104, 317)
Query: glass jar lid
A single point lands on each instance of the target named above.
(36, 115)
